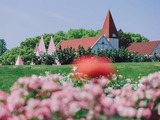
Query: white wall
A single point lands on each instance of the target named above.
(156, 50)
(114, 42)
(102, 44)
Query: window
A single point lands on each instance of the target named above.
(103, 43)
(113, 35)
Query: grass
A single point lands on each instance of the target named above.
(9, 74)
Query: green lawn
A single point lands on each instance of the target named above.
(9, 74)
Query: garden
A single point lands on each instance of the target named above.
(126, 91)
(81, 88)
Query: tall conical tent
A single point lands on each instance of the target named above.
(109, 28)
(19, 61)
(42, 46)
(37, 51)
(51, 48)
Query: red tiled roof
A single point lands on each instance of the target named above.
(85, 42)
(109, 27)
(143, 48)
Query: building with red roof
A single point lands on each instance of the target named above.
(108, 38)
(145, 48)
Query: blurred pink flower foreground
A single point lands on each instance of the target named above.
(44, 98)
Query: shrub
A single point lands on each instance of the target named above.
(66, 55)
(82, 52)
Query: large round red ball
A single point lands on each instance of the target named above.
(93, 66)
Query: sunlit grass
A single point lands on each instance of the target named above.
(9, 74)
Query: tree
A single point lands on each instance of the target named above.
(2, 46)
(124, 39)
(137, 37)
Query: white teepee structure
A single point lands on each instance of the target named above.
(19, 61)
(51, 48)
(37, 51)
(41, 46)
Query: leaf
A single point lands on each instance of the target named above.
(81, 114)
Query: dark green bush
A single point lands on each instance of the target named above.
(65, 56)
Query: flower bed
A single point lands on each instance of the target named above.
(51, 97)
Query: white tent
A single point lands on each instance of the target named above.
(19, 61)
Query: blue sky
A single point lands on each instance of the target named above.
(21, 19)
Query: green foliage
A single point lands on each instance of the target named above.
(65, 56)
(37, 60)
(59, 36)
(137, 37)
(81, 52)
(3, 47)
(81, 33)
(31, 95)
(81, 114)
(123, 55)
(44, 59)
(10, 56)
(48, 59)
(124, 39)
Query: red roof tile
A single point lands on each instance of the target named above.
(109, 27)
(143, 48)
(85, 42)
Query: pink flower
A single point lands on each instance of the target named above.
(3, 95)
(4, 113)
(96, 90)
(14, 102)
(150, 94)
(54, 77)
(84, 95)
(157, 94)
(151, 105)
(73, 107)
(142, 112)
(106, 102)
(69, 119)
(34, 82)
(140, 93)
(103, 81)
(131, 112)
(33, 103)
(143, 103)
(147, 113)
(17, 117)
(49, 86)
(42, 113)
(46, 102)
(158, 109)
(55, 105)
(122, 111)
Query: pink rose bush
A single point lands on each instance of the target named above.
(51, 97)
